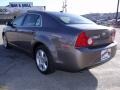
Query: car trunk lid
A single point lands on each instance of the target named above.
(100, 35)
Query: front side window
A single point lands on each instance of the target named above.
(18, 21)
(31, 20)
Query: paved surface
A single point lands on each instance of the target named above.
(18, 72)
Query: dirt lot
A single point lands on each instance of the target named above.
(18, 72)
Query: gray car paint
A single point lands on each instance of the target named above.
(60, 41)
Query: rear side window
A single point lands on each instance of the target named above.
(32, 20)
(39, 21)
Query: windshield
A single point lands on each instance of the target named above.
(73, 19)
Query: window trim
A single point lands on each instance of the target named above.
(36, 21)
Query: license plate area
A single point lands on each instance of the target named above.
(105, 54)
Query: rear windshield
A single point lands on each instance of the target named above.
(72, 19)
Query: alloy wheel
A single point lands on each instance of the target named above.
(41, 60)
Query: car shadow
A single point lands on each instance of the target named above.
(18, 72)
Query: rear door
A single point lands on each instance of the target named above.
(31, 24)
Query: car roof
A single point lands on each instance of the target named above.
(45, 12)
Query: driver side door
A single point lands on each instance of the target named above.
(12, 31)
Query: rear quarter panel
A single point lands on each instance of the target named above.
(58, 40)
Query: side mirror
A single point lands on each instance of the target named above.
(9, 23)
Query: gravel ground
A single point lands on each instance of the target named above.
(18, 72)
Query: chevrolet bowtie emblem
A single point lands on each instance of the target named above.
(103, 34)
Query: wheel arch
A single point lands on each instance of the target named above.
(51, 48)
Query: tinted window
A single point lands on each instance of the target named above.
(38, 22)
(18, 21)
(72, 19)
(31, 20)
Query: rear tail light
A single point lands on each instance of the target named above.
(113, 35)
(83, 41)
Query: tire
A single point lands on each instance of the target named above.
(44, 60)
(5, 42)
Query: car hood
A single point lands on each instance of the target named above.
(88, 26)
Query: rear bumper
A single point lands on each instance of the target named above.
(77, 59)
